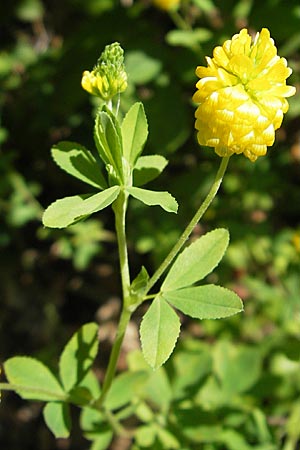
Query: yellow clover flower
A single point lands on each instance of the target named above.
(166, 5)
(241, 96)
(108, 77)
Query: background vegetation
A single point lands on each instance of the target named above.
(243, 374)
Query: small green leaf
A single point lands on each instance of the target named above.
(92, 384)
(237, 368)
(58, 419)
(33, 378)
(197, 260)
(108, 140)
(142, 68)
(78, 356)
(147, 168)
(205, 302)
(145, 435)
(138, 286)
(79, 162)
(153, 198)
(68, 210)
(188, 38)
(124, 388)
(134, 132)
(159, 331)
(234, 440)
(167, 439)
(103, 440)
(190, 368)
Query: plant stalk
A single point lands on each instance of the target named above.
(198, 215)
(119, 207)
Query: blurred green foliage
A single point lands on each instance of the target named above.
(232, 384)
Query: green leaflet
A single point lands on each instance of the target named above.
(108, 140)
(58, 419)
(197, 260)
(205, 302)
(154, 198)
(134, 133)
(238, 367)
(188, 38)
(159, 332)
(68, 210)
(124, 387)
(35, 380)
(78, 356)
(79, 162)
(138, 286)
(147, 168)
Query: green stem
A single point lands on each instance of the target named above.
(114, 356)
(179, 21)
(31, 389)
(119, 207)
(200, 212)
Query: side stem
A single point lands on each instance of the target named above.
(185, 235)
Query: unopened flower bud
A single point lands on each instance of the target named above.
(108, 77)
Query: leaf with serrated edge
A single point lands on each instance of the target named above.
(154, 198)
(159, 332)
(68, 210)
(147, 168)
(205, 302)
(197, 260)
(58, 419)
(134, 130)
(78, 356)
(34, 379)
(79, 162)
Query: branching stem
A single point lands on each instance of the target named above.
(185, 235)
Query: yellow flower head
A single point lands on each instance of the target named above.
(241, 96)
(166, 5)
(108, 77)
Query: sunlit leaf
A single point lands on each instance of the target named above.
(69, 210)
(78, 356)
(159, 331)
(79, 162)
(108, 140)
(154, 198)
(33, 378)
(134, 132)
(58, 419)
(197, 260)
(147, 168)
(205, 302)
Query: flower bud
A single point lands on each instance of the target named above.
(108, 77)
